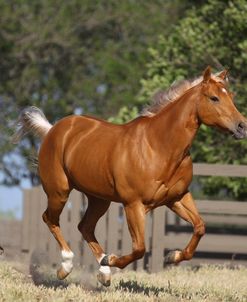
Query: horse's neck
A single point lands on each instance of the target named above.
(175, 126)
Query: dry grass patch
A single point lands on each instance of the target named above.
(207, 283)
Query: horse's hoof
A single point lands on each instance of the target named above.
(61, 273)
(112, 259)
(173, 257)
(108, 260)
(104, 279)
(1, 250)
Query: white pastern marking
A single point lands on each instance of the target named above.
(67, 263)
(224, 90)
(105, 270)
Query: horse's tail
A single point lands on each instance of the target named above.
(33, 120)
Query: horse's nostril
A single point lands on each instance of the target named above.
(241, 126)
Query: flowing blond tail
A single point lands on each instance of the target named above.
(33, 120)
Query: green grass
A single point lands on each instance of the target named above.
(207, 283)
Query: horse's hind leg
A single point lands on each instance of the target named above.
(96, 209)
(186, 209)
(56, 202)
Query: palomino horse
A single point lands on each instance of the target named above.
(143, 164)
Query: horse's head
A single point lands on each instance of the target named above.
(216, 107)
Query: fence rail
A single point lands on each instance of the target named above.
(225, 239)
(220, 170)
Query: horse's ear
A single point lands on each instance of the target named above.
(224, 74)
(207, 74)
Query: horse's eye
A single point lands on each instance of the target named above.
(214, 98)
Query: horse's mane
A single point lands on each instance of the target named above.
(163, 97)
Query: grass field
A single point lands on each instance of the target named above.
(207, 283)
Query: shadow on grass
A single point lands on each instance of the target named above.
(42, 275)
(40, 278)
(134, 287)
(48, 280)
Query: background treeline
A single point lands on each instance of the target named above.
(107, 58)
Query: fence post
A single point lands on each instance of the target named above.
(75, 237)
(25, 238)
(112, 228)
(158, 231)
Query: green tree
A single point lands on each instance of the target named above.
(214, 33)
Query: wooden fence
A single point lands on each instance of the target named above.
(10, 238)
(225, 240)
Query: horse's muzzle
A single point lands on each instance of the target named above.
(240, 130)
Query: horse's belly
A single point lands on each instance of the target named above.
(92, 186)
(88, 173)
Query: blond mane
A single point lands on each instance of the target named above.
(162, 98)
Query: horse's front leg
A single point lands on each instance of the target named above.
(135, 214)
(186, 209)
